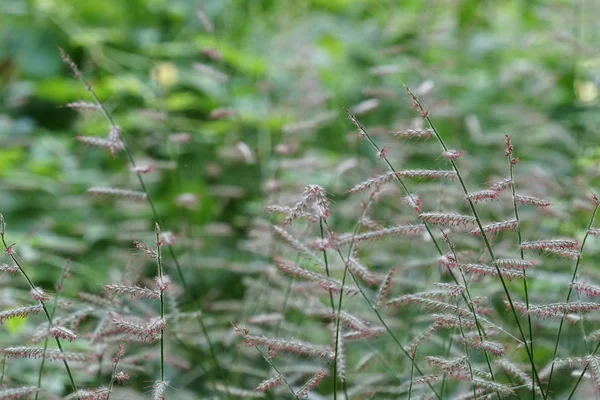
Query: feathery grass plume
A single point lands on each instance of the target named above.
(20, 312)
(569, 244)
(372, 183)
(159, 390)
(429, 303)
(384, 289)
(587, 289)
(311, 384)
(340, 359)
(314, 200)
(413, 201)
(487, 346)
(38, 294)
(400, 230)
(594, 232)
(17, 393)
(501, 185)
(513, 263)
(10, 269)
(562, 253)
(451, 219)
(63, 333)
(413, 133)
(554, 310)
(293, 346)
(132, 291)
(99, 301)
(362, 272)
(269, 384)
(328, 284)
(492, 386)
(350, 321)
(452, 321)
(451, 154)
(266, 318)
(367, 333)
(426, 334)
(486, 270)
(239, 393)
(426, 174)
(111, 145)
(282, 210)
(513, 370)
(137, 329)
(118, 193)
(82, 106)
(296, 244)
(38, 352)
(482, 195)
(530, 200)
(503, 226)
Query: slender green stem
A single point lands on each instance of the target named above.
(484, 236)
(114, 371)
(573, 277)
(54, 306)
(380, 318)
(155, 214)
(412, 373)
(162, 302)
(13, 256)
(583, 372)
(279, 373)
(520, 238)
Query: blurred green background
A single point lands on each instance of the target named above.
(242, 77)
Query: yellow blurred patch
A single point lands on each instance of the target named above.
(165, 74)
(586, 91)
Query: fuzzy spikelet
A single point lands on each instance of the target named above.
(311, 384)
(134, 292)
(314, 201)
(554, 310)
(295, 244)
(451, 154)
(594, 232)
(115, 192)
(20, 312)
(82, 106)
(341, 355)
(452, 321)
(401, 230)
(482, 195)
(17, 393)
(328, 284)
(501, 185)
(38, 352)
(513, 263)
(237, 392)
(530, 200)
(487, 346)
(111, 145)
(426, 174)
(413, 133)
(447, 219)
(414, 202)
(372, 183)
(38, 294)
(269, 384)
(63, 333)
(562, 253)
(587, 289)
(515, 371)
(9, 269)
(568, 244)
(159, 390)
(486, 270)
(503, 226)
(100, 393)
(384, 289)
(361, 272)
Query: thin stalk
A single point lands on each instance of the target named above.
(462, 333)
(333, 312)
(520, 238)
(162, 303)
(445, 377)
(276, 370)
(484, 236)
(54, 306)
(67, 60)
(380, 318)
(573, 277)
(13, 255)
(582, 373)
(438, 248)
(114, 371)
(412, 374)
